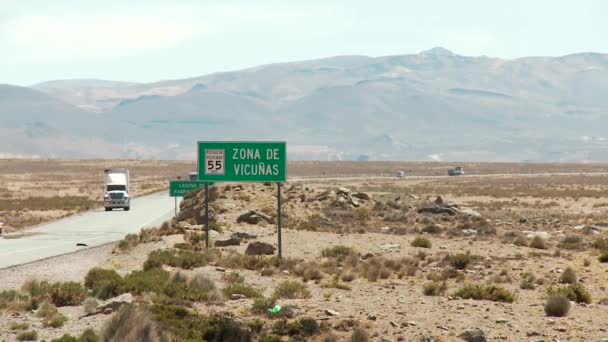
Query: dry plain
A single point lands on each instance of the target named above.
(366, 257)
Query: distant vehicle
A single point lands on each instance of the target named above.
(193, 176)
(116, 189)
(400, 174)
(457, 171)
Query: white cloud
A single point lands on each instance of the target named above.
(74, 36)
(434, 157)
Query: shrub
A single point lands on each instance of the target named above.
(434, 288)
(19, 326)
(138, 282)
(244, 289)
(490, 292)
(14, 301)
(527, 282)
(176, 258)
(603, 258)
(132, 323)
(601, 244)
(67, 294)
(103, 283)
(574, 292)
(339, 252)
(262, 304)
(521, 241)
(90, 306)
(30, 335)
(421, 241)
(432, 229)
(87, 336)
(460, 261)
(359, 335)
(348, 276)
(571, 242)
(568, 276)
(46, 310)
(269, 338)
(310, 326)
(557, 305)
(55, 321)
(291, 290)
(538, 243)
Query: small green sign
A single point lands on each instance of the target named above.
(180, 188)
(223, 161)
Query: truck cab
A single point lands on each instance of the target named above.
(116, 189)
(457, 171)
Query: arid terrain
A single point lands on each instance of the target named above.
(37, 191)
(508, 252)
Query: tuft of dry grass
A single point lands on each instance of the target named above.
(133, 323)
(291, 290)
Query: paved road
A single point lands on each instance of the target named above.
(93, 228)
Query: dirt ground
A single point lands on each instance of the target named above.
(496, 220)
(37, 191)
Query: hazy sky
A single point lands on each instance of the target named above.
(153, 40)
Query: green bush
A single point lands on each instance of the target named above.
(176, 258)
(291, 290)
(60, 294)
(339, 252)
(460, 261)
(87, 336)
(244, 289)
(14, 301)
(103, 283)
(46, 310)
(30, 335)
(262, 304)
(55, 321)
(489, 292)
(269, 338)
(421, 241)
(603, 258)
(19, 326)
(310, 326)
(557, 305)
(153, 280)
(575, 292)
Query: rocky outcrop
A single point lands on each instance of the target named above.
(228, 242)
(260, 248)
(254, 217)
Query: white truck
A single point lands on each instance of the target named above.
(116, 189)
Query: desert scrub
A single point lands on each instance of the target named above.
(489, 292)
(432, 229)
(133, 323)
(603, 258)
(434, 288)
(30, 335)
(262, 304)
(460, 261)
(61, 294)
(521, 241)
(568, 276)
(359, 335)
(89, 306)
(177, 258)
(339, 252)
(422, 242)
(557, 305)
(186, 325)
(571, 242)
(55, 321)
(103, 283)
(291, 290)
(242, 289)
(11, 300)
(538, 243)
(575, 292)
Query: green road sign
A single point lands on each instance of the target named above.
(223, 161)
(180, 188)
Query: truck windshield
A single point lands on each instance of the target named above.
(117, 188)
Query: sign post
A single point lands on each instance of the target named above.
(242, 161)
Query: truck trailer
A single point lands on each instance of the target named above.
(116, 189)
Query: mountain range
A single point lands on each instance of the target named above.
(434, 105)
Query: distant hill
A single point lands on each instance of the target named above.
(435, 104)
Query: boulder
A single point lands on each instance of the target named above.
(362, 196)
(469, 212)
(228, 242)
(473, 335)
(343, 191)
(532, 235)
(244, 236)
(329, 312)
(115, 303)
(438, 210)
(199, 214)
(260, 248)
(254, 217)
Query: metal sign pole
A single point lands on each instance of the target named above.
(279, 218)
(206, 215)
(175, 206)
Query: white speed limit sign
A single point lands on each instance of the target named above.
(215, 162)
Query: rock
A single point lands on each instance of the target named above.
(115, 303)
(237, 296)
(228, 242)
(438, 210)
(220, 269)
(469, 212)
(532, 235)
(390, 246)
(473, 335)
(260, 248)
(108, 311)
(362, 196)
(469, 232)
(394, 324)
(343, 191)
(502, 320)
(199, 214)
(254, 217)
(332, 313)
(244, 236)
(372, 316)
